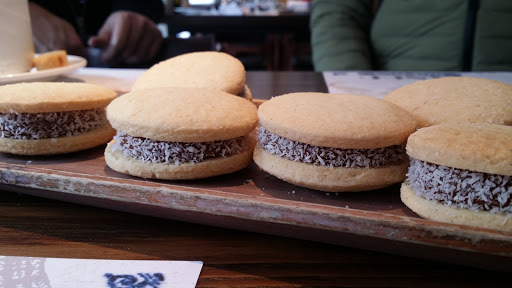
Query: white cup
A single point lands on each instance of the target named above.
(17, 47)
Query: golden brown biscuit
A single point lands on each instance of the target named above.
(447, 214)
(456, 99)
(340, 121)
(184, 171)
(52, 59)
(182, 114)
(330, 179)
(37, 97)
(461, 173)
(58, 145)
(53, 118)
(333, 142)
(208, 69)
(180, 133)
(477, 147)
(246, 93)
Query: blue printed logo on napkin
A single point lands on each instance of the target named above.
(30, 272)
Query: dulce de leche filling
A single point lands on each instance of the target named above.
(461, 188)
(46, 125)
(327, 156)
(154, 151)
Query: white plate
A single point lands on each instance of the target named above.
(74, 62)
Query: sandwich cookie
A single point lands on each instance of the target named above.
(53, 118)
(462, 174)
(456, 99)
(207, 69)
(180, 133)
(332, 142)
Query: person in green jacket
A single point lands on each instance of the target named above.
(412, 35)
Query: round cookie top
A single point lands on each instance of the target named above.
(208, 69)
(470, 146)
(456, 99)
(182, 114)
(41, 97)
(337, 121)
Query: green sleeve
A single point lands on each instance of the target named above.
(340, 32)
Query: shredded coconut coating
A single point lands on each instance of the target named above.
(153, 151)
(326, 156)
(46, 125)
(461, 188)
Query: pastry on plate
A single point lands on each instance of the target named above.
(333, 142)
(461, 174)
(180, 133)
(41, 118)
(51, 59)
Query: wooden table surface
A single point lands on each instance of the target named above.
(38, 227)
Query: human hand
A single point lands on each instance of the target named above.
(50, 32)
(127, 37)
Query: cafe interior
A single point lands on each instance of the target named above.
(264, 35)
(70, 220)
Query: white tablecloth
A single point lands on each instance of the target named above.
(120, 80)
(371, 83)
(380, 83)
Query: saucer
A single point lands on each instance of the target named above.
(74, 62)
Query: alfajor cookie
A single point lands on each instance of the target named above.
(456, 99)
(333, 142)
(205, 69)
(53, 118)
(180, 133)
(462, 174)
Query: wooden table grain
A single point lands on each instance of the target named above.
(37, 227)
(40, 227)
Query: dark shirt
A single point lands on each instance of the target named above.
(87, 16)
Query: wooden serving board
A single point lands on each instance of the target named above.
(253, 200)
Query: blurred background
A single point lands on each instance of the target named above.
(264, 34)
